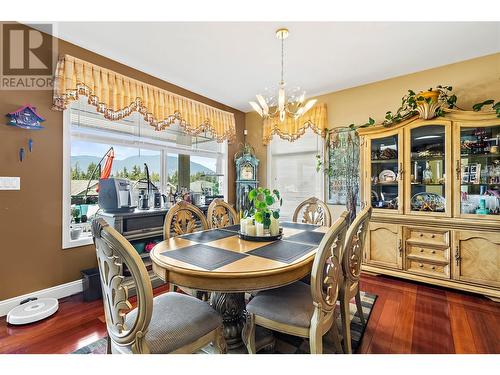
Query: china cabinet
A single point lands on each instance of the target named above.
(434, 186)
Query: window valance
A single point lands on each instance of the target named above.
(117, 96)
(292, 129)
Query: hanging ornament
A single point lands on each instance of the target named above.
(25, 118)
(30, 145)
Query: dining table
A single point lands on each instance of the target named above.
(218, 261)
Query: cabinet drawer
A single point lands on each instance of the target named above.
(428, 236)
(428, 269)
(428, 253)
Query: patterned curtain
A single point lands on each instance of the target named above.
(117, 96)
(292, 129)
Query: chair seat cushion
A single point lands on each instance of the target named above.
(291, 304)
(177, 320)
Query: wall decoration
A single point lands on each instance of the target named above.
(343, 169)
(26, 118)
(21, 154)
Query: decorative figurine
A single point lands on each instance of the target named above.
(25, 118)
(21, 154)
(427, 174)
(30, 145)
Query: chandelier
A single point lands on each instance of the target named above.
(287, 102)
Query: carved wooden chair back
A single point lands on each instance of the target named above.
(315, 211)
(183, 218)
(326, 269)
(221, 214)
(113, 251)
(354, 245)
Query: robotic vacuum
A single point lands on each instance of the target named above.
(32, 311)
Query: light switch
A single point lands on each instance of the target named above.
(10, 183)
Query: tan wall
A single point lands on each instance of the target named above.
(472, 80)
(31, 257)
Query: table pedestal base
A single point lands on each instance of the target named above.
(231, 306)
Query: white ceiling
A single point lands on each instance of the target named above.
(231, 62)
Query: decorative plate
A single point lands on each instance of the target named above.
(387, 176)
(428, 202)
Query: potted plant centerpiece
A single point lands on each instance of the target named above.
(263, 219)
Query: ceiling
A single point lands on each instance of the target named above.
(231, 62)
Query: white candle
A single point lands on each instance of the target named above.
(243, 226)
(260, 229)
(274, 227)
(250, 230)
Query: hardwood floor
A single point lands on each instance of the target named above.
(407, 318)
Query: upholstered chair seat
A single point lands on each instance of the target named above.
(291, 304)
(177, 320)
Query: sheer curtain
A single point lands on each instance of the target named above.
(292, 170)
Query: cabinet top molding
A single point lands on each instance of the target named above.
(454, 115)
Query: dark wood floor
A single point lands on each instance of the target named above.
(407, 318)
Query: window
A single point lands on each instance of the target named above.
(174, 159)
(292, 170)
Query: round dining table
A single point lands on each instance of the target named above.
(219, 262)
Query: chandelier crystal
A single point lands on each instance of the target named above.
(286, 102)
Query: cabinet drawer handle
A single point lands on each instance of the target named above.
(433, 267)
(457, 255)
(400, 247)
(420, 265)
(421, 250)
(400, 171)
(421, 234)
(458, 170)
(433, 236)
(433, 251)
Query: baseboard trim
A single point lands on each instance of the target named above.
(58, 291)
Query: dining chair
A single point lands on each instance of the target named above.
(351, 269)
(299, 309)
(314, 211)
(184, 218)
(221, 214)
(168, 323)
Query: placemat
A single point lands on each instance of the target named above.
(232, 228)
(207, 236)
(307, 237)
(204, 256)
(301, 226)
(282, 251)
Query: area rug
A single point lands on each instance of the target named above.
(286, 344)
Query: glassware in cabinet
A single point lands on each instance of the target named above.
(429, 155)
(479, 170)
(385, 172)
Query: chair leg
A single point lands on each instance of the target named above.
(220, 341)
(248, 333)
(359, 307)
(108, 345)
(315, 333)
(346, 321)
(334, 337)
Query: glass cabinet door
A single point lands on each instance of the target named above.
(384, 169)
(429, 151)
(479, 171)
